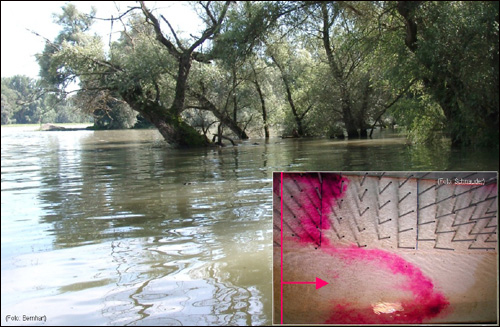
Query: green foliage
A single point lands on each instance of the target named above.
(24, 102)
(21, 100)
(248, 24)
(421, 117)
(457, 53)
(446, 82)
(56, 69)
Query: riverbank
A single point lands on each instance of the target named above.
(38, 127)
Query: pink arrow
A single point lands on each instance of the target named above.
(319, 283)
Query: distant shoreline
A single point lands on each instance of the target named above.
(58, 127)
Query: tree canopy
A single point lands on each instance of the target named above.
(306, 68)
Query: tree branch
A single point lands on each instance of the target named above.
(159, 34)
(179, 44)
(305, 112)
(207, 10)
(391, 104)
(212, 30)
(113, 18)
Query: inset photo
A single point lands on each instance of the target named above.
(385, 247)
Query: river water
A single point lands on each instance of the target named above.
(114, 228)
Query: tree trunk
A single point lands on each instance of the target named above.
(298, 118)
(363, 113)
(448, 102)
(223, 118)
(185, 61)
(235, 100)
(263, 106)
(347, 117)
(169, 123)
(349, 121)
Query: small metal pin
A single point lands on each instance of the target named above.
(427, 222)
(460, 209)
(444, 215)
(362, 182)
(487, 217)
(352, 232)
(488, 239)
(426, 239)
(483, 233)
(422, 177)
(488, 224)
(378, 234)
(363, 195)
(361, 213)
(439, 248)
(454, 206)
(385, 187)
(454, 240)
(341, 186)
(320, 180)
(472, 248)
(294, 233)
(406, 180)
(404, 197)
(405, 230)
(297, 183)
(380, 177)
(357, 226)
(406, 213)
(431, 187)
(445, 232)
(438, 187)
(380, 207)
(383, 222)
(472, 214)
(467, 223)
(295, 200)
(429, 205)
(317, 192)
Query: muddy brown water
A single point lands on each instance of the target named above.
(111, 227)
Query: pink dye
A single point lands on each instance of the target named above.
(305, 188)
(427, 302)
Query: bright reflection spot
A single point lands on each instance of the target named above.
(386, 307)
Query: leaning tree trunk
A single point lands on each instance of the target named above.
(175, 131)
(168, 120)
(169, 123)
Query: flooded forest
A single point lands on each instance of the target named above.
(161, 213)
(293, 69)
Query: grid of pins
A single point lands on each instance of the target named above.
(392, 210)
